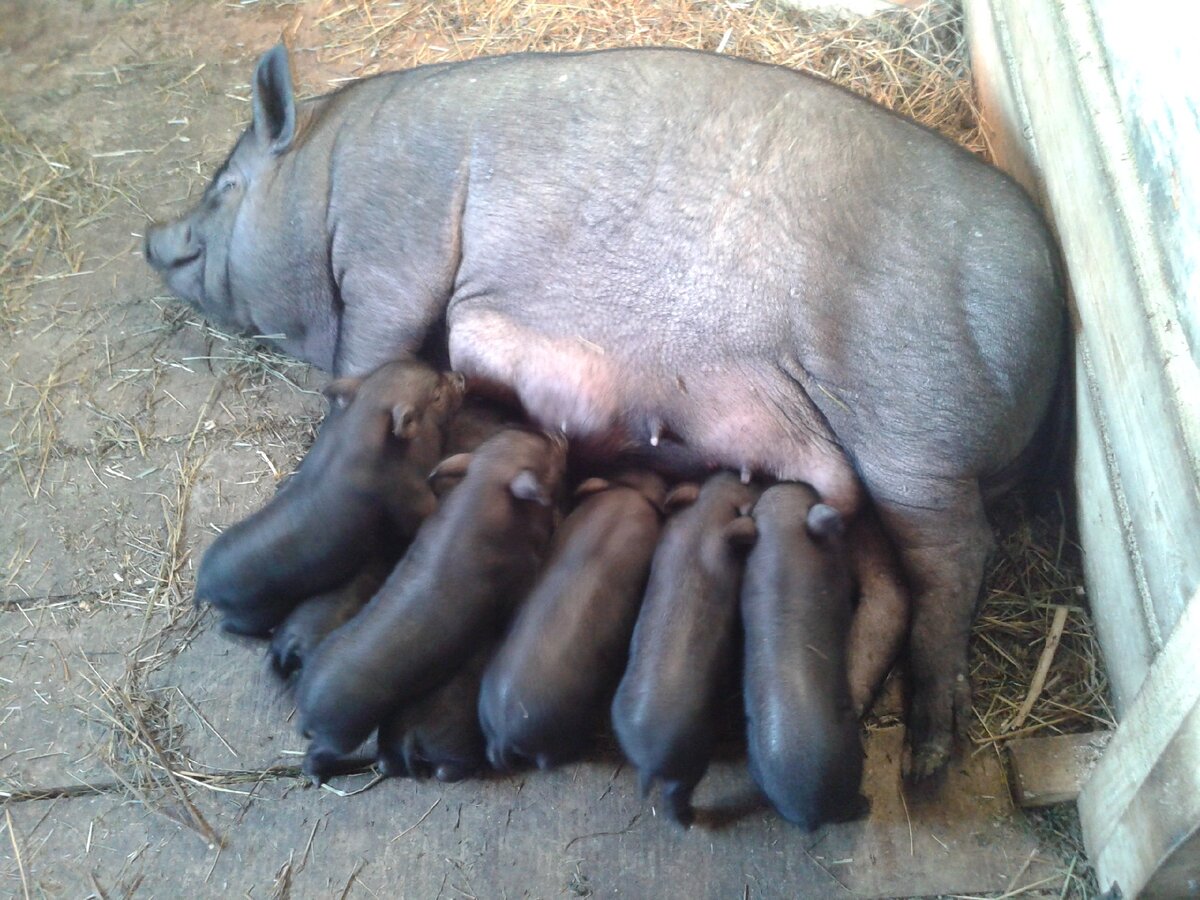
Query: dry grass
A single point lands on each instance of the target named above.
(1036, 571)
(913, 62)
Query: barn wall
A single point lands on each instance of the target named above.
(1090, 105)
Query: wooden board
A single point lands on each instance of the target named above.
(1104, 141)
(577, 831)
(1141, 808)
(1134, 362)
(1050, 770)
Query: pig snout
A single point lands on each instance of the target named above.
(170, 245)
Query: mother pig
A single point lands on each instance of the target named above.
(687, 256)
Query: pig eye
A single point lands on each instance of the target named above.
(226, 182)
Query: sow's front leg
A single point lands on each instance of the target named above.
(943, 547)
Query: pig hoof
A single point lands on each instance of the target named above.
(684, 818)
(285, 661)
(448, 773)
(391, 766)
(927, 760)
(677, 800)
(319, 764)
(934, 717)
(233, 626)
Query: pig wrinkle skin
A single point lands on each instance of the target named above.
(804, 746)
(564, 653)
(360, 491)
(786, 277)
(472, 560)
(683, 645)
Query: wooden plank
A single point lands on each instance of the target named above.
(1137, 364)
(1112, 582)
(1142, 803)
(1146, 61)
(1118, 592)
(1003, 118)
(1139, 427)
(1050, 770)
(578, 831)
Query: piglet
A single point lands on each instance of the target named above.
(684, 642)
(805, 750)
(315, 618)
(561, 659)
(360, 490)
(438, 734)
(474, 558)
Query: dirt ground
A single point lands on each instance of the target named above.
(142, 753)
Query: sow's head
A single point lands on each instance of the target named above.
(251, 255)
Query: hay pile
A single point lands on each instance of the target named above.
(912, 61)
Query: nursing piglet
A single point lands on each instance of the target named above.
(560, 661)
(360, 490)
(315, 618)
(472, 560)
(438, 734)
(683, 645)
(805, 750)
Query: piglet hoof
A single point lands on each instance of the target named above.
(677, 803)
(499, 758)
(320, 764)
(242, 629)
(391, 765)
(287, 657)
(450, 772)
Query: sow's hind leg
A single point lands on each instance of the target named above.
(943, 545)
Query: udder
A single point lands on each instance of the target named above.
(747, 417)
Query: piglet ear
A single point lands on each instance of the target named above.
(525, 486)
(825, 522)
(404, 421)
(448, 473)
(451, 467)
(681, 496)
(454, 384)
(274, 103)
(341, 391)
(590, 486)
(741, 532)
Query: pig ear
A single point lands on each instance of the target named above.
(451, 467)
(590, 486)
(525, 486)
(341, 391)
(404, 421)
(741, 532)
(681, 496)
(274, 104)
(825, 522)
(455, 382)
(448, 473)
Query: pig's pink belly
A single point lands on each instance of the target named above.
(728, 417)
